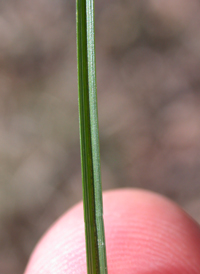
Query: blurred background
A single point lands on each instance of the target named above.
(148, 70)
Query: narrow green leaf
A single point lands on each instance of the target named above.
(89, 139)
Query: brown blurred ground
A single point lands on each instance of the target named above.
(148, 70)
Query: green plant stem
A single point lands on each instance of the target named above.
(89, 139)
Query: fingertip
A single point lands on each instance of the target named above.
(145, 233)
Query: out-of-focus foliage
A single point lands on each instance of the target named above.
(148, 70)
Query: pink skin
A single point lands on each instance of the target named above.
(145, 234)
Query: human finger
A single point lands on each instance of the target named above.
(145, 234)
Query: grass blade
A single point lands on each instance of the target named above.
(89, 139)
